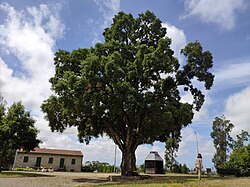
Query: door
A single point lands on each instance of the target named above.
(61, 163)
(38, 161)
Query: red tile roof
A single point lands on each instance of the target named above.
(54, 151)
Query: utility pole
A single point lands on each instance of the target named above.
(115, 159)
(197, 143)
(14, 164)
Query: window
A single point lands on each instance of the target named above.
(25, 159)
(73, 161)
(50, 161)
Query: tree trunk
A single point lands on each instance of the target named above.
(1, 162)
(128, 164)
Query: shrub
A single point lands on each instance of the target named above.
(240, 159)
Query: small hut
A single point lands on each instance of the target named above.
(154, 163)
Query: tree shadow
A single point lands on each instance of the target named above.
(142, 179)
(85, 180)
(136, 179)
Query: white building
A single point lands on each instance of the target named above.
(58, 160)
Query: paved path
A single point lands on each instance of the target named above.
(56, 179)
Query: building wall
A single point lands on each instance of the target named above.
(45, 161)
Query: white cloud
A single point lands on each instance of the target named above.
(233, 74)
(30, 35)
(179, 40)
(188, 148)
(188, 136)
(207, 148)
(108, 8)
(103, 150)
(222, 12)
(143, 151)
(237, 110)
(203, 114)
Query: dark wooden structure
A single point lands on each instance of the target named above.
(154, 163)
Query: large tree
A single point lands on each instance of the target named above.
(17, 131)
(222, 140)
(127, 87)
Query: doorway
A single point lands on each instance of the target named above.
(38, 161)
(61, 163)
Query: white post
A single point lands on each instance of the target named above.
(14, 164)
(196, 142)
(115, 160)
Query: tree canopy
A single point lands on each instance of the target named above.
(16, 130)
(222, 140)
(127, 87)
(240, 159)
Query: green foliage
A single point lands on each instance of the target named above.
(171, 147)
(106, 169)
(241, 138)
(16, 130)
(98, 166)
(25, 169)
(240, 159)
(2, 109)
(222, 140)
(141, 168)
(184, 169)
(178, 168)
(127, 87)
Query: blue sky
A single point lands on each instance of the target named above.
(31, 32)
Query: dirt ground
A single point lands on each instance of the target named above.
(57, 179)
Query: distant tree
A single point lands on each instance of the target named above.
(171, 147)
(16, 130)
(240, 139)
(2, 130)
(127, 87)
(184, 169)
(2, 109)
(177, 168)
(221, 139)
(240, 159)
(141, 168)
(88, 167)
(101, 167)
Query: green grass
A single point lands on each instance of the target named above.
(19, 174)
(168, 180)
(184, 181)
